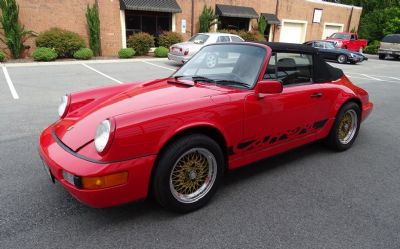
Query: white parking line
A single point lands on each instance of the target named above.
(168, 68)
(10, 84)
(102, 74)
(370, 77)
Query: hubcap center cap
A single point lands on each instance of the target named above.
(192, 175)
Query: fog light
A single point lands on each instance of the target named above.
(107, 181)
(73, 179)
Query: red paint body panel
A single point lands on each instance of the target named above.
(353, 45)
(147, 115)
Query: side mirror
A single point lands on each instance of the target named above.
(268, 87)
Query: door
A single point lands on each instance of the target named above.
(331, 29)
(293, 32)
(294, 114)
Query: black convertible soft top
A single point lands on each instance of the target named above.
(323, 72)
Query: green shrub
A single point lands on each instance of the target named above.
(141, 42)
(161, 52)
(126, 53)
(2, 56)
(13, 32)
(372, 47)
(167, 39)
(251, 36)
(83, 54)
(66, 43)
(207, 19)
(44, 54)
(93, 24)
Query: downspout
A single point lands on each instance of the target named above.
(276, 14)
(192, 21)
(350, 19)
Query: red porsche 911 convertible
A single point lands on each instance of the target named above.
(173, 138)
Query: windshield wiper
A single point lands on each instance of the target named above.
(232, 82)
(195, 78)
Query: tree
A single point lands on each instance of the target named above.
(207, 19)
(376, 24)
(14, 33)
(93, 23)
(262, 25)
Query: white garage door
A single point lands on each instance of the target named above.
(330, 29)
(293, 32)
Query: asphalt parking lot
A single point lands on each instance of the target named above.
(307, 198)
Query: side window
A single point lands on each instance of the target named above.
(290, 68)
(236, 39)
(223, 39)
(353, 37)
(318, 45)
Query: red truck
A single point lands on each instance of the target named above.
(348, 41)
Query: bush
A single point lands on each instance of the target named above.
(141, 42)
(161, 52)
(207, 19)
(372, 47)
(93, 24)
(126, 53)
(13, 32)
(66, 43)
(83, 54)
(44, 54)
(167, 39)
(2, 56)
(251, 36)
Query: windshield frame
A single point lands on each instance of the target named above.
(263, 64)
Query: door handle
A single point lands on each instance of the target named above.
(316, 95)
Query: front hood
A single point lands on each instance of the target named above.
(78, 127)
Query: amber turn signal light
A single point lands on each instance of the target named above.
(98, 182)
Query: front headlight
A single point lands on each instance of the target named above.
(103, 136)
(352, 55)
(63, 106)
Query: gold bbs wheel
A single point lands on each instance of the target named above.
(193, 175)
(347, 126)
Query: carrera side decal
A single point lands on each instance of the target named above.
(276, 139)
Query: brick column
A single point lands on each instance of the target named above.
(110, 25)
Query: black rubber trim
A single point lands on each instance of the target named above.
(69, 150)
(245, 144)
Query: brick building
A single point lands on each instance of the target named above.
(288, 20)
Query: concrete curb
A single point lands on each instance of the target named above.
(77, 62)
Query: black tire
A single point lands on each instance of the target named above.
(382, 56)
(162, 185)
(333, 140)
(342, 59)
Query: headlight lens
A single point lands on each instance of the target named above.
(62, 108)
(352, 55)
(103, 134)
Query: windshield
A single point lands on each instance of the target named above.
(340, 36)
(199, 38)
(232, 65)
(329, 45)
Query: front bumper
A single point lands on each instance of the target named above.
(178, 58)
(389, 52)
(59, 160)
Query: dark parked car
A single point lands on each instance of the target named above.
(328, 50)
(390, 46)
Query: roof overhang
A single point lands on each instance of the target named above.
(271, 18)
(170, 6)
(236, 11)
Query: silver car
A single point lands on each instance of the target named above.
(182, 52)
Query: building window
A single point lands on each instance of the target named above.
(235, 23)
(154, 23)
